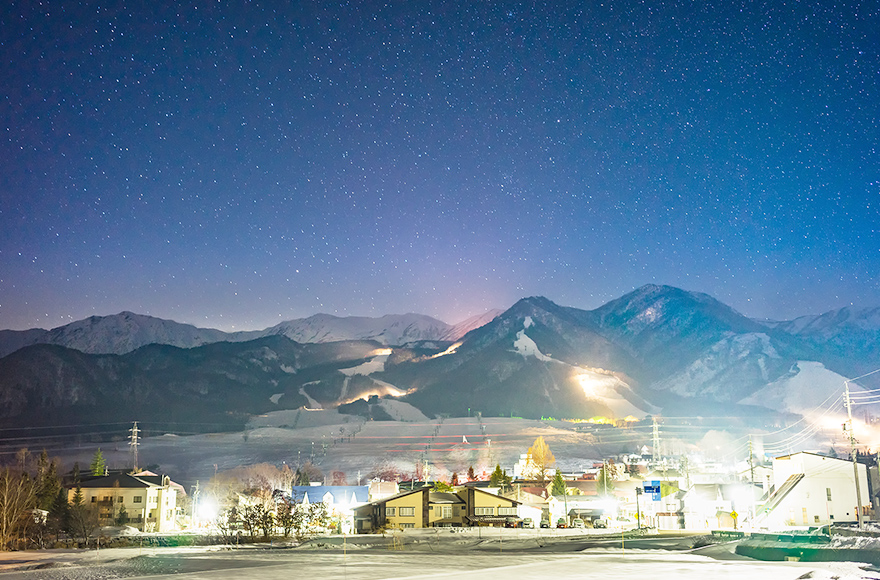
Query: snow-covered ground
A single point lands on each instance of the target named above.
(409, 561)
(347, 443)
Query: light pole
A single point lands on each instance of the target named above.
(638, 508)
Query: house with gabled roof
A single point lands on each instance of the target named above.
(145, 502)
(426, 508)
(340, 500)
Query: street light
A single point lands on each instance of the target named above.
(638, 507)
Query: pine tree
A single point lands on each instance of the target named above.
(82, 520)
(558, 487)
(122, 516)
(48, 482)
(500, 479)
(604, 482)
(98, 466)
(497, 476)
(59, 514)
(471, 475)
(454, 480)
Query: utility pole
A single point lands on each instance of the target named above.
(852, 443)
(134, 444)
(638, 507)
(656, 442)
(752, 480)
(195, 504)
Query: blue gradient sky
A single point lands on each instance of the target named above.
(235, 164)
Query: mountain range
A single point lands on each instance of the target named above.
(658, 349)
(124, 332)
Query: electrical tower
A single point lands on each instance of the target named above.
(133, 443)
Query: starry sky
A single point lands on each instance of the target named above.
(234, 164)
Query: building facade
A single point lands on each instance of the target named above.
(147, 503)
(814, 490)
(425, 508)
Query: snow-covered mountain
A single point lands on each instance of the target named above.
(656, 349)
(124, 332)
(846, 340)
(392, 329)
(116, 334)
(457, 331)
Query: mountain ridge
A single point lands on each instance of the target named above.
(656, 349)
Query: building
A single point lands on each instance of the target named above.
(813, 490)
(426, 508)
(340, 501)
(148, 502)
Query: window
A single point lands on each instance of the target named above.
(407, 525)
(507, 511)
(407, 512)
(119, 499)
(446, 511)
(484, 511)
(828, 493)
(816, 519)
(94, 499)
(390, 511)
(138, 498)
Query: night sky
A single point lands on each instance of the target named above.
(236, 164)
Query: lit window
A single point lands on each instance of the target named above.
(484, 511)
(507, 511)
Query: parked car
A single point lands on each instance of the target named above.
(600, 523)
(545, 523)
(528, 523)
(561, 523)
(578, 523)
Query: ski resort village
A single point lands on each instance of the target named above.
(664, 416)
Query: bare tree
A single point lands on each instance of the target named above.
(18, 498)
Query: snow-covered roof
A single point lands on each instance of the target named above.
(332, 494)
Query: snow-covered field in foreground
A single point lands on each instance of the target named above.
(246, 564)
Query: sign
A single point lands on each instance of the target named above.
(652, 488)
(734, 515)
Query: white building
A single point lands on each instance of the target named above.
(813, 490)
(145, 501)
